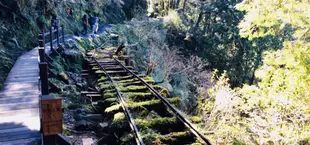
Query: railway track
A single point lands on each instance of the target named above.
(138, 111)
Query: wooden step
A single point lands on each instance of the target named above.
(115, 72)
(85, 71)
(89, 92)
(103, 64)
(84, 74)
(112, 68)
(93, 95)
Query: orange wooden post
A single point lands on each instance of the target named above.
(51, 115)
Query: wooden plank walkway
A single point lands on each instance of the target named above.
(19, 103)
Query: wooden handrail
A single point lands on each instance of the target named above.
(54, 30)
(49, 136)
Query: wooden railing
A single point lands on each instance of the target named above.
(50, 106)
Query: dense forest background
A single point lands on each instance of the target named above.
(243, 66)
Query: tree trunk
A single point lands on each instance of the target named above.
(184, 5)
(198, 21)
(177, 4)
(258, 58)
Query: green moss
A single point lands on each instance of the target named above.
(164, 92)
(137, 94)
(238, 142)
(109, 95)
(100, 72)
(127, 138)
(135, 79)
(196, 144)
(119, 117)
(113, 108)
(134, 105)
(122, 77)
(195, 119)
(73, 106)
(136, 82)
(155, 123)
(127, 80)
(174, 136)
(102, 79)
(64, 76)
(110, 100)
(102, 56)
(95, 68)
(104, 86)
(131, 88)
(152, 102)
(110, 90)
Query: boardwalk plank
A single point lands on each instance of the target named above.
(28, 141)
(18, 99)
(19, 86)
(20, 113)
(21, 75)
(18, 106)
(34, 134)
(19, 93)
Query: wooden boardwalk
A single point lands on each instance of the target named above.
(19, 102)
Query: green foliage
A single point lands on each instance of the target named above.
(195, 119)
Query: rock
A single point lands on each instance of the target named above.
(72, 120)
(80, 110)
(168, 86)
(83, 124)
(87, 141)
(104, 124)
(93, 116)
(78, 117)
(80, 85)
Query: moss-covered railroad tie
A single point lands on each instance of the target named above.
(150, 114)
